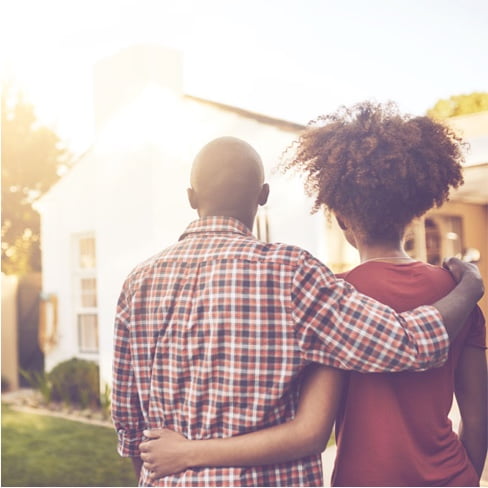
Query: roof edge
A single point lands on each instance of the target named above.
(265, 119)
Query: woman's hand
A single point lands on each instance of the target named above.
(165, 452)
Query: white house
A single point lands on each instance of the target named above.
(125, 198)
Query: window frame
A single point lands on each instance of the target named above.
(80, 310)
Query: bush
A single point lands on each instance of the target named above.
(39, 381)
(76, 381)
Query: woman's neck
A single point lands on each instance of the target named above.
(387, 252)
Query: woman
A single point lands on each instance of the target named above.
(376, 170)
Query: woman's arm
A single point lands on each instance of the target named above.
(168, 452)
(472, 397)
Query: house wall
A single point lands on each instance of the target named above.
(67, 210)
(10, 361)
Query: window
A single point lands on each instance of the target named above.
(86, 293)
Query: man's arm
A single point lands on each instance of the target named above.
(340, 327)
(307, 434)
(126, 413)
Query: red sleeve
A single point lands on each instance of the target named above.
(477, 332)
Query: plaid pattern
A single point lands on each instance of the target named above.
(212, 335)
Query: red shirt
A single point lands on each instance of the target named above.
(213, 333)
(393, 429)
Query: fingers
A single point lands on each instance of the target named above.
(447, 263)
(457, 267)
(153, 471)
(153, 433)
(145, 457)
(150, 434)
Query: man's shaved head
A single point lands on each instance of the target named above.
(227, 178)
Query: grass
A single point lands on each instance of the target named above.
(38, 450)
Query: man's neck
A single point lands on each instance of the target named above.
(247, 220)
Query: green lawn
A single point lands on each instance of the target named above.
(38, 450)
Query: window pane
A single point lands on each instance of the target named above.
(454, 236)
(87, 257)
(88, 332)
(88, 292)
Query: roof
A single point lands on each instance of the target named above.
(281, 124)
(264, 119)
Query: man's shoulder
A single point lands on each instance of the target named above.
(270, 253)
(283, 253)
(147, 265)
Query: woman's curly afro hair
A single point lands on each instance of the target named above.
(377, 167)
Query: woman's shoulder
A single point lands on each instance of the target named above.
(414, 268)
(414, 282)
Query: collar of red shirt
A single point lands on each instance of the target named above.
(216, 224)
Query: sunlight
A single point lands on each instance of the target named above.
(151, 116)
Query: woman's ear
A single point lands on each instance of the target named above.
(341, 223)
(347, 230)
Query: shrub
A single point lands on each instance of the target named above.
(76, 381)
(39, 381)
(105, 402)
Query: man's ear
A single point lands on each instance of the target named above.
(192, 198)
(264, 194)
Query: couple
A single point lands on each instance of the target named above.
(231, 354)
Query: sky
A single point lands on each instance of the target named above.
(287, 59)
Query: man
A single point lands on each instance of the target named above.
(211, 335)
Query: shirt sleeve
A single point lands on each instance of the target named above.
(477, 332)
(340, 327)
(126, 413)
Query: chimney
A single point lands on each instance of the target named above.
(118, 79)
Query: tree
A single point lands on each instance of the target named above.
(459, 105)
(32, 158)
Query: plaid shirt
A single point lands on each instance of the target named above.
(212, 336)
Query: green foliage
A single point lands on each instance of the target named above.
(459, 105)
(38, 450)
(39, 381)
(76, 382)
(105, 401)
(31, 157)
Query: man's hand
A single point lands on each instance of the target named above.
(456, 306)
(463, 271)
(164, 453)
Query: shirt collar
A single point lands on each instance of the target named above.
(216, 224)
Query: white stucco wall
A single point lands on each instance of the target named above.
(68, 209)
